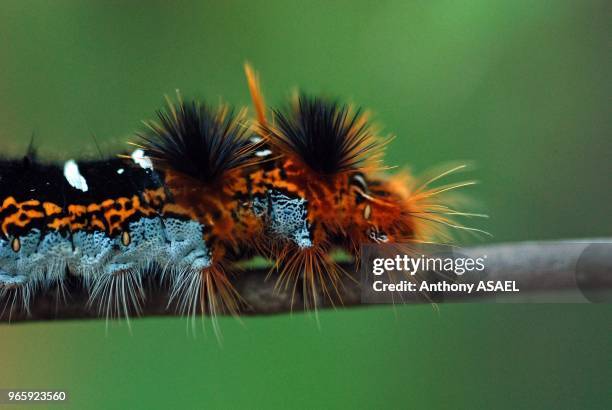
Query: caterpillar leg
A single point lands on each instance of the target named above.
(285, 217)
(30, 262)
(92, 251)
(55, 250)
(186, 249)
(300, 257)
(22, 270)
(117, 288)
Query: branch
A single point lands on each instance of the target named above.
(538, 267)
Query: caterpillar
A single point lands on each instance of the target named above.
(205, 188)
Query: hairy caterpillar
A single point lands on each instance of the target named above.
(207, 187)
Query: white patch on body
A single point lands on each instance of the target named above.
(263, 153)
(141, 159)
(120, 171)
(74, 177)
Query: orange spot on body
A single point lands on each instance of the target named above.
(59, 223)
(8, 202)
(51, 208)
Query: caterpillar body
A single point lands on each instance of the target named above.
(206, 188)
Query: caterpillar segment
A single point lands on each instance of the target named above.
(328, 156)
(203, 153)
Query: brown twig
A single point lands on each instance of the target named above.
(538, 268)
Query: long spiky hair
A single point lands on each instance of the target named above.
(17, 298)
(198, 141)
(117, 295)
(320, 276)
(328, 137)
(434, 209)
(208, 290)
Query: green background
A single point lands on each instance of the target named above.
(520, 88)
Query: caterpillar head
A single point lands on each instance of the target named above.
(380, 211)
(404, 209)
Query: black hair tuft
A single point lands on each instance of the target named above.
(198, 141)
(327, 136)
